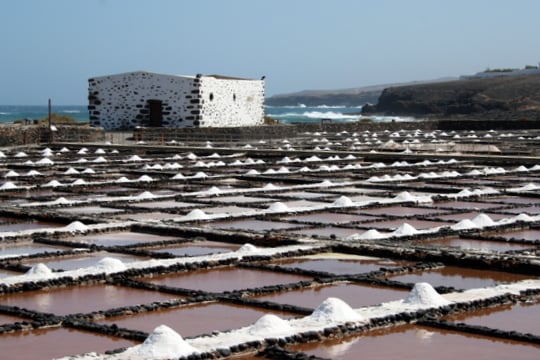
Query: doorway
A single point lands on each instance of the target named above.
(155, 113)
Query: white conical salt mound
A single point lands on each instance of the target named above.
(269, 186)
(8, 185)
(53, 183)
(278, 206)
(404, 196)
(146, 195)
(163, 343)
(39, 270)
(335, 310)
(145, 178)
(60, 201)
(325, 183)
(135, 158)
(196, 214)
(405, 229)
(247, 248)
(523, 217)
(483, 220)
(178, 176)
(45, 161)
(343, 201)
(370, 234)
(122, 179)
(424, 294)
(214, 190)
(270, 325)
(11, 173)
(76, 227)
(464, 225)
(109, 264)
(71, 171)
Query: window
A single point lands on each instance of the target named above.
(234, 97)
(211, 96)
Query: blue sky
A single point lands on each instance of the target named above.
(50, 48)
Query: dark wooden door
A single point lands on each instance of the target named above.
(156, 115)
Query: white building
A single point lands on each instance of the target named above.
(125, 101)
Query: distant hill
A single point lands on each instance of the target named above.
(339, 97)
(497, 98)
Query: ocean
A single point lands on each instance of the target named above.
(285, 114)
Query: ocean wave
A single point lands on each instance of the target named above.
(71, 111)
(316, 115)
(5, 113)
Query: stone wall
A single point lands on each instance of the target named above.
(15, 135)
(124, 101)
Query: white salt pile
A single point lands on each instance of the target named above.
(464, 225)
(21, 154)
(88, 171)
(270, 326)
(214, 190)
(483, 220)
(334, 310)
(78, 182)
(278, 207)
(145, 178)
(33, 173)
(53, 183)
(122, 179)
(76, 227)
(162, 343)
(343, 201)
(404, 196)
(145, 195)
(39, 270)
(11, 173)
(45, 161)
(325, 183)
(252, 172)
(248, 248)
(424, 294)
(178, 176)
(200, 175)
(270, 186)
(135, 158)
(196, 214)
(109, 264)
(370, 234)
(71, 171)
(60, 201)
(100, 159)
(8, 186)
(404, 230)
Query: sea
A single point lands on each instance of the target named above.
(285, 114)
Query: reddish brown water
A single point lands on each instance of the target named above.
(54, 343)
(154, 215)
(166, 204)
(341, 266)
(515, 200)
(8, 319)
(303, 195)
(460, 278)
(241, 199)
(402, 211)
(120, 238)
(522, 317)
(82, 299)
(219, 280)
(9, 250)
(81, 261)
(90, 210)
(329, 218)
(354, 295)
(196, 248)
(419, 343)
(232, 209)
(531, 234)
(463, 205)
(475, 244)
(255, 225)
(29, 225)
(328, 231)
(194, 320)
(531, 210)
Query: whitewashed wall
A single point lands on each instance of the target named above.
(231, 102)
(121, 101)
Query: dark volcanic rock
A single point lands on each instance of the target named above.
(509, 97)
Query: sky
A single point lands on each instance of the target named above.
(50, 48)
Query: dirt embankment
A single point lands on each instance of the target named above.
(501, 98)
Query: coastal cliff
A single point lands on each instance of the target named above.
(515, 97)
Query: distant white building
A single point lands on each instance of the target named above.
(488, 74)
(129, 100)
